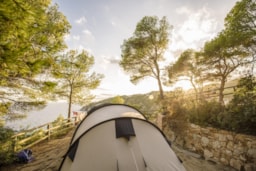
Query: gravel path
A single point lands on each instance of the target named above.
(48, 156)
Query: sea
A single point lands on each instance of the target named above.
(36, 118)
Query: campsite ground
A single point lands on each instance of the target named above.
(48, 156)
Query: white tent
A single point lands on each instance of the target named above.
(115, 137)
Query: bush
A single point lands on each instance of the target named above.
(6, 146)
(177, 104)
(62, 129)
(205, 113)
(240, 114)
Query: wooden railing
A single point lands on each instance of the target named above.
(214, 93)
(29, 138)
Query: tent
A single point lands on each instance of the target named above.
(117, 137)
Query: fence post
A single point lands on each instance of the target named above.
(49, 131)
(76, 120)
(14, 143)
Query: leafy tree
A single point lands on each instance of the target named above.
(31, 33)
(241, 26)
(72, 70)
(188, 67)
(222, 60)
(142, 53)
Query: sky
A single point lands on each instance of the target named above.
(101, 26)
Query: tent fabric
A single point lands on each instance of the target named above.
(103, 113)
(117, 142)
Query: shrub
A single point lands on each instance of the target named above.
(204, 113)
(62, 129)
(6, 146)
(177, 104)
(240, 114)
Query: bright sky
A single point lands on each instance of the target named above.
(101, 26)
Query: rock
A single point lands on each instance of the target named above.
(222, 137)
(230, 145)
(252, 153)
(250, 167)
(216, 144)
(237, 164)
(228, 152)
(242, 158)
(207, 154)
(230, 137)
(238, 150)
(204, 141)
(224, 161)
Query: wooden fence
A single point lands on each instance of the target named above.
(29, 138)
(214, 93)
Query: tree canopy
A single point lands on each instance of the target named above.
(72, 71)
(228, 52)
(142, 52)
(240, 25)
(222, 59)
(189, 67)
(31, 34)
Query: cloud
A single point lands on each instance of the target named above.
(80, 48)
(81, 20)
(76, 37)
(87, 32)
(113, 60)
(110, 60)
(88, 37)
(199, 27)
(183, 10)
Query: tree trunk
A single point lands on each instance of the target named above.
(70, 102)
(194, 87)
(161, 91)
(221, 92)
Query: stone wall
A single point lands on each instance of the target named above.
(228, 148)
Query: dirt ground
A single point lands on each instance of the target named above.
(48, 156)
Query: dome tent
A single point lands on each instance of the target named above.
(117, 137)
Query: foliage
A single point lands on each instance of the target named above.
(142, 53)
(6, 148)
(241, 18)
(222, 60)
(4, 107)
(62, 129)
(72, 71)
(240, 21)
(177, 104)
(188, 67)
(5, 134)
(31, 34)
(117, 100)
(240, 115)
(204, 113)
